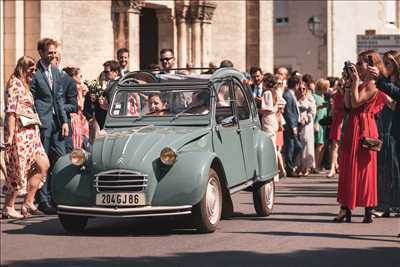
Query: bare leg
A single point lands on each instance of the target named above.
(34, 181)
(334, 158)
(319, 149)
(281, 167)
(10, 199)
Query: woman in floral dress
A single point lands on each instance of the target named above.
(26, 160)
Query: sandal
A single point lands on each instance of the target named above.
(11, 213)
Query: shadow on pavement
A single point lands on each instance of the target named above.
(311, 258)
(392, 239)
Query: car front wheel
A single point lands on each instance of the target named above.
(264, 197)
(73, 224)
(207, 213)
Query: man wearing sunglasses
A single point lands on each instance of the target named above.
(167, 60)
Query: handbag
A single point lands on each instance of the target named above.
(370, 143)
(326, 121)
(27, 120)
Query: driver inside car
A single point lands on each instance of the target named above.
(200, 102)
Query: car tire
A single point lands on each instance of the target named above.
(73, 224)
(263, 198)
(207, 213)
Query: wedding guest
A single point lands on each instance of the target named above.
(280, 88)
(167, 59)
(358, 165)
(70, 98)
(335, 132)
(26, 160)
(389, 130)
(322, 112)
(123, 61)
(292, 145)
(307, 108)
(79, 124)
(48, 94)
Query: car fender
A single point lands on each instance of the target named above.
(71, 185)
(266, 156)
(186, 180)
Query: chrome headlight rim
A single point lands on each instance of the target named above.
(78, 157)
(168, 156)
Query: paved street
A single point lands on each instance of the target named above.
(299, 233)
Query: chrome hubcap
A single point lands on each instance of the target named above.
(269, 194)
(213, 201)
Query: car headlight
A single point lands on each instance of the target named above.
(77, 157)
(168, 156)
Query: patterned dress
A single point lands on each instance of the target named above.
(26, 147)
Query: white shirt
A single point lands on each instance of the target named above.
(49, 75)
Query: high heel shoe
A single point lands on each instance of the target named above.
(331, 174)
(368, 216)
(11, 213)
(27, 210)
(344, 215)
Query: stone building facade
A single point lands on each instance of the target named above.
(257, 32)
(337, 24)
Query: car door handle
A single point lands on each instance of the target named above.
(238, 130)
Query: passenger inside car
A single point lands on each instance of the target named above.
(157, 104)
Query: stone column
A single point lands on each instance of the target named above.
(181, 15)
(266, 36)
(207, 11)
(134, 33)
(196, 41)
(165, 28)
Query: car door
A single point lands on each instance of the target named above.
(246, 128)
(226, 136)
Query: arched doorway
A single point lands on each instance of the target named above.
(148, 37)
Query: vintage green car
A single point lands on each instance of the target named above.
(173, 145)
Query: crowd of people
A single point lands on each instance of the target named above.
(347, 127)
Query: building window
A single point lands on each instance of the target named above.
(390, 11)
(281, 13)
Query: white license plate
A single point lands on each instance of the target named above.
(120, 199)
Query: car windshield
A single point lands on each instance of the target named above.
(160, 103)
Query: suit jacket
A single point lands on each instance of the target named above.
(392, 90)
(69, 94)
(48, 99)
(291, 113)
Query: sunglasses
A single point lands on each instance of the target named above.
(166, 59)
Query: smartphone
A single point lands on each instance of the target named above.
(370, 61)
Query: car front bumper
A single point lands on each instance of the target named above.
(146, 211)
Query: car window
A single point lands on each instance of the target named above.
(224, 108)
(241, 103)
(129, 103)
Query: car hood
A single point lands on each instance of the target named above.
(135, 147)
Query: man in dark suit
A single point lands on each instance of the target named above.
(47, 92)
(292, 146)
(70, 99)
(257, 84)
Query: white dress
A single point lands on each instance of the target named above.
(308, 110)
(269, 121)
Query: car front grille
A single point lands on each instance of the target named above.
(120, 181)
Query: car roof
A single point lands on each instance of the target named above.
(181, 79)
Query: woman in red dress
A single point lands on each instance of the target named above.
(336, 127)
(358, 165)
